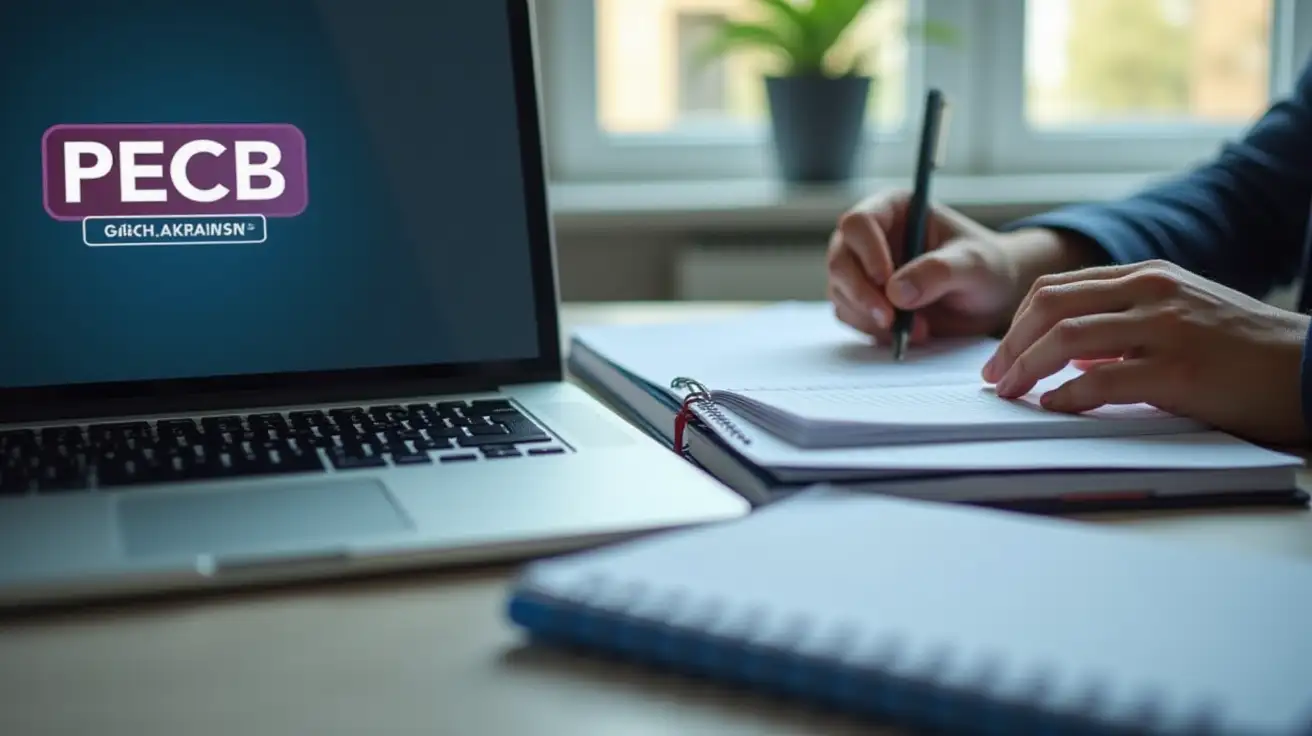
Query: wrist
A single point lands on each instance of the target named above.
(1291, 366)
(1037, 252)
(1303, 342)
(1031, 253)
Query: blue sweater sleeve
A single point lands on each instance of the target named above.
(1239, 219)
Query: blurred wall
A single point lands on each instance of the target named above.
(628, 263)
(647, 262)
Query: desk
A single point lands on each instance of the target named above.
(423, 654)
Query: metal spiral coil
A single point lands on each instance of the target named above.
(711, 412)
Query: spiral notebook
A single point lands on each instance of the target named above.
(801, 344)
(932, 409)
(949, 616)
(794, 371)
(934, 395)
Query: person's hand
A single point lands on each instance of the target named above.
(1157, 334)
(967, 282)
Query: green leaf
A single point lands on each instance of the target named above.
(805, 34)
(830, 20)
(787, 12)
(793, 24)
(734, 35)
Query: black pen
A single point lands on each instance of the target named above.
(918, 213)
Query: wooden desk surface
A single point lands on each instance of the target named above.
(424, 654)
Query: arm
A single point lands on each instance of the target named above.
(1238, 220)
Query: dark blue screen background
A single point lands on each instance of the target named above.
(413, 249)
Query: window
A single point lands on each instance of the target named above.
(629, 97)
(1035, 85)
(651, 77)
(1117, 62)
(702, 89)
(1129, 85)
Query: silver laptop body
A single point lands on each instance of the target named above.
(326, 342)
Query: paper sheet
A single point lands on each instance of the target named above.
(1192, 450)
(789, 345)
(957, 405)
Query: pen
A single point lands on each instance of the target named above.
(918, 212)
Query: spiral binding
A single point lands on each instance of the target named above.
(884, 677)
(711, 412)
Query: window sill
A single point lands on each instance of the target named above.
(769, 204)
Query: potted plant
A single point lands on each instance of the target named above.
(817, 101)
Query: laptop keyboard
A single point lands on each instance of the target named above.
(55, 459)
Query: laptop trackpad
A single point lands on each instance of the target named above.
(267, 516)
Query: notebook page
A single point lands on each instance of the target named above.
(788, 345)
(1188, 450)
(1078, 606)
(957, 405)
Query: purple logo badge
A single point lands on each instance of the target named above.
(171, 171)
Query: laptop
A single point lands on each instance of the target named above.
(280, 303)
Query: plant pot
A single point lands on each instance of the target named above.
(818, 125)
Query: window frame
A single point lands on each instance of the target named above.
(983, 79)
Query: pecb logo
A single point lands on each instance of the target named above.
(195, 184)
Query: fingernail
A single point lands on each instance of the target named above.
(991, 367)
(1005, 386)
(905, 292)
(1053, 400)
(880, 318)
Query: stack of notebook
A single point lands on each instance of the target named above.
(787, 397)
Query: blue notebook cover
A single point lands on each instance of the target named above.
(953, 617)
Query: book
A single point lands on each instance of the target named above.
(797, 372)
(948, 617)
(631, 367)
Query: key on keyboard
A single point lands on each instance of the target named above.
(115, 455)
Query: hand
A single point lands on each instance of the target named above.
(1157, 334)
(967, 282)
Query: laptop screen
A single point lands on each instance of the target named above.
(194, 190)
